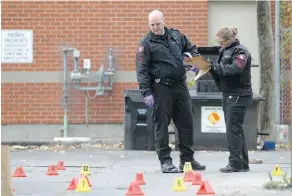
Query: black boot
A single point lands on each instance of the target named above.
(245, 168)
(195, 165)
(230, 169)
(245, 165)
(169, 168)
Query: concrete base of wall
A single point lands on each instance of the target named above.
(45, 134)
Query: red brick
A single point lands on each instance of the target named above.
(43, 104)
(83, 24)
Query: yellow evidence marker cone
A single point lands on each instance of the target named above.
(277, 171)
(85, 170)
(179, 185)
(188, 167)
(82, 185)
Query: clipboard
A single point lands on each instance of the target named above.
(201, 63)
(201, 73)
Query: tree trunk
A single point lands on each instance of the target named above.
(290, 126)
(266, 50)
(6, 188)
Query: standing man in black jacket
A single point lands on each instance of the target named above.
(162, 78)
(232, 75)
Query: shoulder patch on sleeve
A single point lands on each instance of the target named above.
(240, 60)
(140, 48)
(241, 57)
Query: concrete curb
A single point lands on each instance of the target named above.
(26, 143)
(63, 141)
(55, 141)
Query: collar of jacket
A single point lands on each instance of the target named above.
(237, 42)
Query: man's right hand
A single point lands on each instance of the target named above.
(149, 100)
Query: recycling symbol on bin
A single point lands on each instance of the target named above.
(214, 118)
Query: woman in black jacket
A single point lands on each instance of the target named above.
(232, 74)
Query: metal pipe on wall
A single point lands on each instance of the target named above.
(110, 60)
(76, 66)
(77, 75)
(65, 91)
(277, 63)
(65, 95)
(86, 108)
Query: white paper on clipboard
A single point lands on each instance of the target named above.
(202, 73)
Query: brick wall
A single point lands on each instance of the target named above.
(92, 27)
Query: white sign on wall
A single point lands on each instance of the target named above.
(17, 46)
(212, 119)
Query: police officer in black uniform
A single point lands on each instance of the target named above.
(162, 78)
(232, 74)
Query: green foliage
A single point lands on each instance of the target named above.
(270, 177)
(286, 38)
(285, 14)
(285, 183)
(287, 180)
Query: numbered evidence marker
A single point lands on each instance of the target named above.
(61, 165)
(52, 171)
(179, 185)
(140, 179)
(82, 185)
(85, 170)
(277, 171)
(188, 167)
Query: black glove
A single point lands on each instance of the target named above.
(196, 55)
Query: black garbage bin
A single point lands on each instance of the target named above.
(210, 130)
(138, 133)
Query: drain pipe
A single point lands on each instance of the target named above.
(65, 89)
(65, 136)
(86, 109)
(65, 95)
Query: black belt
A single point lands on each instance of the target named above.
(168, 81)
(241, 89)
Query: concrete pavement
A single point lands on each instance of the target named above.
(113, 170)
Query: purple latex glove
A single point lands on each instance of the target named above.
(149, 100)
(194, 69)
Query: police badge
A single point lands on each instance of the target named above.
(157, 80)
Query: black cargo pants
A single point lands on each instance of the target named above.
(172, 102)
(234, 108)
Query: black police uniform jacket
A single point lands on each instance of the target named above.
(161, 57)
(232, 70)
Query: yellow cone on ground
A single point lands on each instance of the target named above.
(82, 185)
(277, 171)
(179, 185)
(188, 167)
(85, 170)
